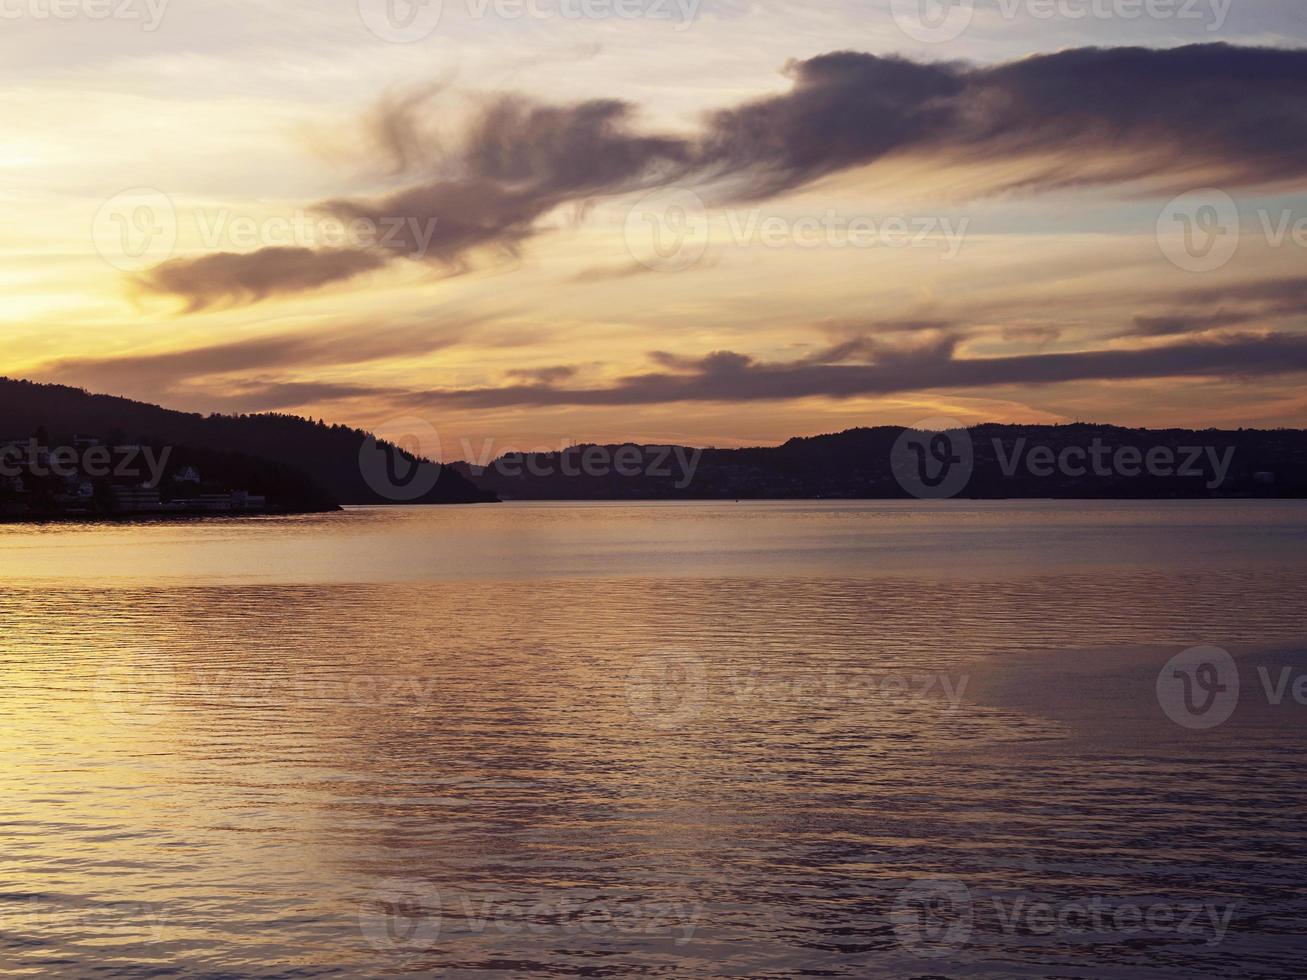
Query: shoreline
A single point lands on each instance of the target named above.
(155, 515)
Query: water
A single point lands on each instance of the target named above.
(689, 740)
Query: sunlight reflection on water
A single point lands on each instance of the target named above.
(677, 740)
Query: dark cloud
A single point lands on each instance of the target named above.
(174, 366)
(231, 277)
(844, 110)
(161, 374)
(397, 126)
(889, 341)
(1286, 293)
(1166, 326)
(519, 160)
(1240, 111)
(1091, 115)
(726, 376)
(567, 150)
(544, 375)
(1237, 304)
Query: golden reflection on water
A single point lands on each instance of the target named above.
(668, 775)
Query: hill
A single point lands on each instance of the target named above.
(1077, 461)
(332, 457)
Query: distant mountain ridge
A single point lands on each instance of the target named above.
(1005, 461)
(328, 455)
(1018, 461)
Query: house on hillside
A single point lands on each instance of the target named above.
(135, 499)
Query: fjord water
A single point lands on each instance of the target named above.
(683, 740)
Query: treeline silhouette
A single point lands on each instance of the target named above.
(328, 455)
(859, 464)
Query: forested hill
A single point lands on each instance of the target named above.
(1077, 461)
(328, 454)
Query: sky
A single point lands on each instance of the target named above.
(519, 224)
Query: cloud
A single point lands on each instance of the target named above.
(889, 340)
(1041, 336)
(518, 161)
(272, 396)
(1218, 112)
(232, 277)
(1164, 326)
(609, 273)
(397, 126)
(545, 375)
(166, 372)
(1090, 115)
(1237, 304)
(1285, 293)
(727, 376)
(1096, 115)
(844, 109)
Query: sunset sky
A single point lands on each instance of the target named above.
(725, 223)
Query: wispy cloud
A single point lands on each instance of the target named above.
(1259, 302)
(1084, 116)
(230, 277)
(727, 376)
(168, 372)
